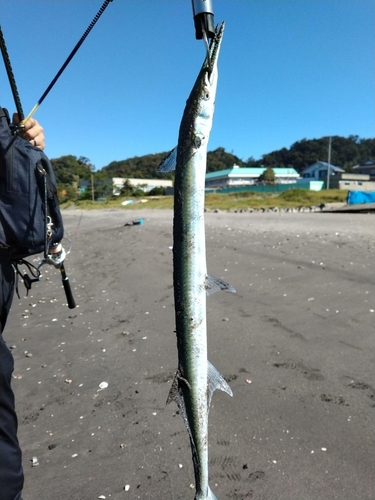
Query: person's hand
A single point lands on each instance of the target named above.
(55, 249)
(32, 132)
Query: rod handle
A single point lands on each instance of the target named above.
(67, 289)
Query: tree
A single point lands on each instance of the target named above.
(219, 159)
(127, 189)
(156, 191)
(268, 176)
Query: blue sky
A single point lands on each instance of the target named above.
(288, 70)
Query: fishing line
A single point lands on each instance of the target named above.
(79, 223)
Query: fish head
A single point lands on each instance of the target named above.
(206, 84)
(199, 110)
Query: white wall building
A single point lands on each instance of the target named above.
(145, 185)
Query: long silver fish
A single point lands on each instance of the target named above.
(196, 379)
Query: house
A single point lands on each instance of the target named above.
(145, 185)
(318, 171)
(366, 167)
(247, 176)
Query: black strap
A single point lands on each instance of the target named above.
(27, 281)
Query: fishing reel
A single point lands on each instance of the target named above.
(57, 260)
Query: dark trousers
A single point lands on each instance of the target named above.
(11, 474)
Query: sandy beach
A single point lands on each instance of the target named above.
(296, 344)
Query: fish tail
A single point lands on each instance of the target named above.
(210, 495)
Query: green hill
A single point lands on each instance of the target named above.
(145, 167)
(345, 153)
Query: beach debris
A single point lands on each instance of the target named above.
(34, 461)
(103, 385)
(137, 222)
(127, 487)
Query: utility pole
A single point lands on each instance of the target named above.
(329, 161)
(92, 184)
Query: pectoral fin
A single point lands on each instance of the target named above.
(214, 285)
(169, 162)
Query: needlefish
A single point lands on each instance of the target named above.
(196, 378)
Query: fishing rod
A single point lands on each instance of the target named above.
(56, 259)
(56, 262)
(9, 71)
(69, 58)
(203, 14)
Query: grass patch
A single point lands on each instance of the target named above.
(291, 198)
(232, 201)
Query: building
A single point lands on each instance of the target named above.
(318, 171)
(366, 167)
(311, 184)
(355, 182)
(247, 176)
(146, 185)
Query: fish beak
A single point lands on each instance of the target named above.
(213, 48)
(205, 41)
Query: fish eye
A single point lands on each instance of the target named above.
(206, 96)
(198, 141)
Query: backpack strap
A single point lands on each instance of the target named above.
(27, 281)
